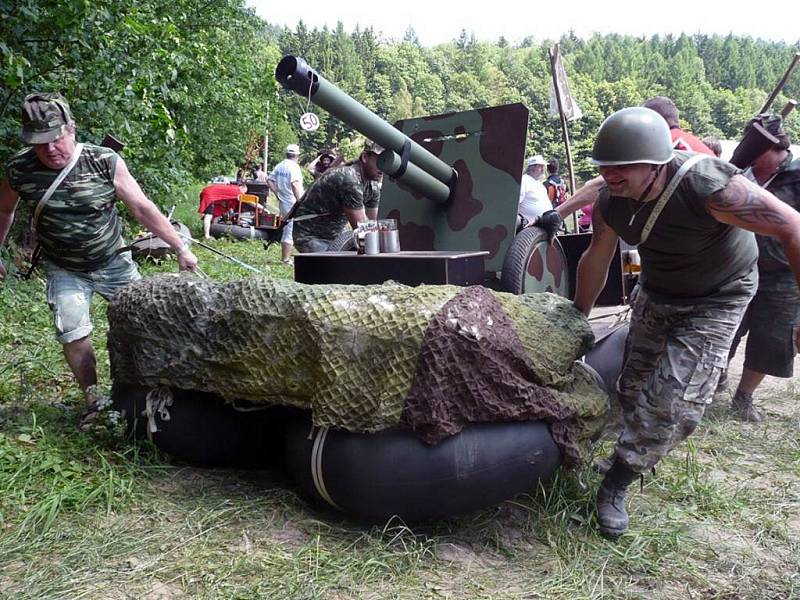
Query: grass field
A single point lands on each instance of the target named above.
(92, 516)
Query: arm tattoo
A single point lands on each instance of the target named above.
(745, 202)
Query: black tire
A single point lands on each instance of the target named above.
(221, 230)
(607, 356)
(343, 242)
(515, 277)
(206, 431)
(375, 476)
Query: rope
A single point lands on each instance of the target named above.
(157, 401)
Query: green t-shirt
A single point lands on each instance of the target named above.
(336, 190)
(79, 228)
(689, 257)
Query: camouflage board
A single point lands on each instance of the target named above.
(429, 359)
(486, 147)
(79, 228)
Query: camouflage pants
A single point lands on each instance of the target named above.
(674, 357)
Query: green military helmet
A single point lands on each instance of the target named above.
(630, 136)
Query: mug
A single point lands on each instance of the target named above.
(366, 239)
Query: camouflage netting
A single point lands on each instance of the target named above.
(429, 359)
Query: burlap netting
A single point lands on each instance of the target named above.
(364, 358)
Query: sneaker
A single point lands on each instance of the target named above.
(744, 408)
(288, 261)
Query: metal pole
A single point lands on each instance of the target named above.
(780, 85)
(266, 141)
(215, 251)
(553, 53)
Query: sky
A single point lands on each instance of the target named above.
(438, 21)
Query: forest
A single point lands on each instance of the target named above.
(184, 83)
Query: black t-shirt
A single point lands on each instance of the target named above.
(689, 257)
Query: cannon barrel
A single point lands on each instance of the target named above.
(293, 73)
(414, 177)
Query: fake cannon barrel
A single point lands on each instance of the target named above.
(294, 74)
(392, 164)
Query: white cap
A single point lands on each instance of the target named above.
(293, 149)
(536, 159)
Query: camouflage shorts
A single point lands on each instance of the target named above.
(69, 293)
(674, 357)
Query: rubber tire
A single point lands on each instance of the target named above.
(343, 242)
(515, 264)
(206, 431)
(374, 476)
(607, 356)
(221, 230)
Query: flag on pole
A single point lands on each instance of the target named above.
(571, 109)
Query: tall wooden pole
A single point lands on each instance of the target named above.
(553, 54)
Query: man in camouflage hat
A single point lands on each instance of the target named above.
(774, 313)
(342, 195)
(698, 274)
(77, 227)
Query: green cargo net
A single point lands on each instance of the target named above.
(428, 359)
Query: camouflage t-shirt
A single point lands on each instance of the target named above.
(79, 228)
(335, 190)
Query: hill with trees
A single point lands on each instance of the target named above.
(182, 83)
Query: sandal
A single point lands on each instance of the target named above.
(96, 403)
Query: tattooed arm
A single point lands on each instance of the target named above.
(593, 266)
(744, 204)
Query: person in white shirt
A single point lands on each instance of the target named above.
(533, 200)
(286, 181)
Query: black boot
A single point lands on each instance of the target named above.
(612, 519)
(744, 408)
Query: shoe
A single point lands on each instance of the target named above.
(288, 261)
(744, 408)
(612, 518)
(96, 404)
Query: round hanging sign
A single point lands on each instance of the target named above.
(309, 122)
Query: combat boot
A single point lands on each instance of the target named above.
(744, 408)
(612, 519)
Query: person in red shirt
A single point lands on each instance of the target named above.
(215, 200)
(681, 140)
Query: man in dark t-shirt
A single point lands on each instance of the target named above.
(774, 313)
(688, 214)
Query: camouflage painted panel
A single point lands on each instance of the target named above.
(547, 270)
(487, 148)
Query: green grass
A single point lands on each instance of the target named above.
(93, 516)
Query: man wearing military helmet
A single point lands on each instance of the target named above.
(691, 216)
(71, 190)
